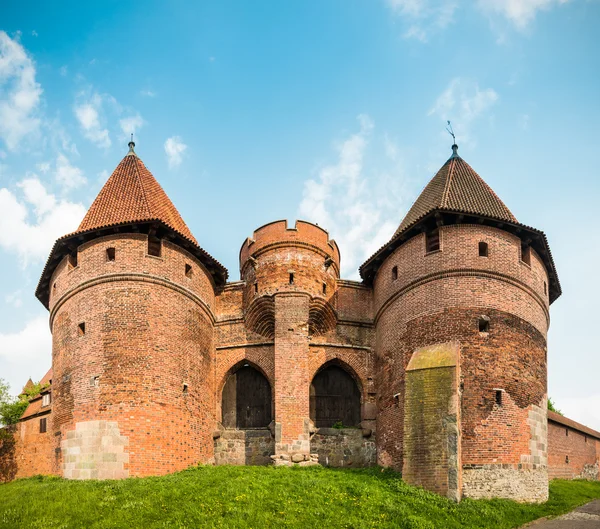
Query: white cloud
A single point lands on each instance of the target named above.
(463, 102)
(147, 93)
(361, 212)
(131, 124)
(524, 120)
(63, 70)
(43, 167)
(67, 175)
(19, 93)
(26, 353)
(423, 18)
(174, 148)
(31, 234)
(519, 12)
(89, 114)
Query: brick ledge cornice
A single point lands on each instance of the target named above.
(468, 272)
(144, 278)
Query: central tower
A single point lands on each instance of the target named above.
(290, 274)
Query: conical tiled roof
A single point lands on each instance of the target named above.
(457, 194)
(457, 187)
(132, 194)
(131, 201)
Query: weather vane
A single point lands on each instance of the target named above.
(450, 131)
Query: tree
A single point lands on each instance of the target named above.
(552, 407)
(11, 408)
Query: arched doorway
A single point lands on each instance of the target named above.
(334, 399)
(246, 401)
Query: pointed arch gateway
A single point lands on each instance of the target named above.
(246, 399)
(334, 398)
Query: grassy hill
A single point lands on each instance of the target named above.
(262, 497)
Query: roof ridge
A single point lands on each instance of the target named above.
(141, 182)
(448, 182)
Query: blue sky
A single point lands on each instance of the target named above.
(330, 111)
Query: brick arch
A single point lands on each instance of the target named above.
(239, 364)
(339, 362)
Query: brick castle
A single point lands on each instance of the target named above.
(435, 364)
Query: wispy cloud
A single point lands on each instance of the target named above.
(30, 239)
(147, 93)
(423, 18)
(174, 149)
(361, 212)
(463, 102)
(67, 175)
(19, 93)
(88, 112)
(519, 12)
(131, 124)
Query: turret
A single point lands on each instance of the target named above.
(131, 297)
(462, 294)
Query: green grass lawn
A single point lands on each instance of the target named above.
(260, 497)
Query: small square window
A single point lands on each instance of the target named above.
(567, 460)
(394, 273)
(499, 397)
(188, 270)
(484, 324)
(256, 288)
(483, 249)
(46, 399)
(154, 246)
(291, 278)
(73, 260)
(110, 254)
(526, 253)
(95, 381)
(324, 289)
(81, 329)
(43, 425)
(432, 241)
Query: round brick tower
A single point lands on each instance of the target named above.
(461, 295)
(290, 275)
(131, 298)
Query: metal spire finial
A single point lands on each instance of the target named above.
(131, 145)
(450, 131)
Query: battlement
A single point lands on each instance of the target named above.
(277, 234)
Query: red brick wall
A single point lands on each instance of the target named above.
(438, 298)
(148, 331)
(581, 449)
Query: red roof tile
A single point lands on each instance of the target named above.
(132, 194)
(457, 187)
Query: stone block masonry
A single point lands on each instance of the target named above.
(95, 450)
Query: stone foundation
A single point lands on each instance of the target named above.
(244, 447)
(347, 447)
(505, 481)
(95, 450)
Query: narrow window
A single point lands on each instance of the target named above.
(54, 286)
(432, 241)
(81, 329)
(484, 324)
(585, 437)
(73, 260)
(545, 288)
(483, 249)
(291, 278)
(394, 273)
(43, 425)
(154, 246)
(567, 432)
(110, 254)
(567, 460)
(525, 253)
(499, 397)
(324, 289)
(188, 270)
(95, 381)
(46, 399)
(185, 389)
(256, 288)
